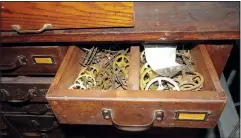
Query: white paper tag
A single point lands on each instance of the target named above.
(162, 59)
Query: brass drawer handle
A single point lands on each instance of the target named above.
(10, 99)
(36, 126)
(2, 126)
(41, 112)
(18, 29)
(20, 61)
(157, 115)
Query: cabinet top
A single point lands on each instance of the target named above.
(155, 21)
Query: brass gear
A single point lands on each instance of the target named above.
(121, 62)
(147, 76)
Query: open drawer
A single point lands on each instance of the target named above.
(135, 109)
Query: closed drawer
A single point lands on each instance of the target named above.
(33, 134)
(26, 108)
(135, 109)
(24, 89)
(31, 60)
(6, 129)
(32, 123)
(39, 16)
(3, 126)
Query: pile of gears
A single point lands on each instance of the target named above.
(103, 70)
(185, 79)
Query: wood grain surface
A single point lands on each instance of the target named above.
(134, 74)
(219, 55)
(62, 15)
(135, 107)
(155, 21)
(134, 112)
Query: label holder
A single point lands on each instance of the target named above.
(178, 113)
(49, 60)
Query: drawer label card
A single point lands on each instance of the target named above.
(43, 60)
(192, 116)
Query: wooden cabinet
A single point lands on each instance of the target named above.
(24, 116)
(40, 16)
(77, 23)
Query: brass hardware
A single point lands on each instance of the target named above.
(108, 115)
(147, 76)
(18, 29)
(160, 85)
(20, 61)
(41, 112)
(189, 80)
(103, 69)
(143, 57)
(89, 56)
(36, 126)
(6, 96)
(120, 63)
(185, 76)
(87, 80)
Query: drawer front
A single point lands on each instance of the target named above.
(24, 89)
(59, 15)
(6, 129)
(3, 125)
(31, 60)
(33, 134)
(27, 108)
(134, 109)
(41, 124)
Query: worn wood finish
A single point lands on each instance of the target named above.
(163, 21)
(62, 15)
(7, 129)
(219, 55)
(134, 75)
(9, 55)
(44, 123)
(26, 108)
(134, 112)
(135, 107)
(19, 87)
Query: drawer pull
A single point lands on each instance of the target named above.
(43, 111)
(10, 99)
(36, 126)
(157, 115)
(20, 61)
(2, 126)
(18, 29)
